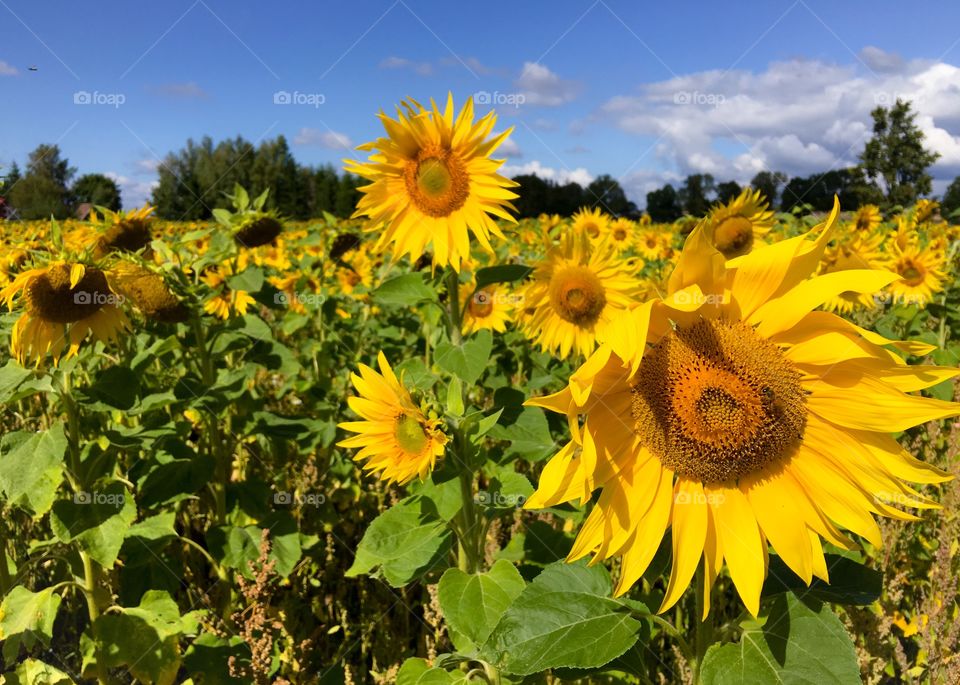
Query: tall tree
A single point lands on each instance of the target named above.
(9, 178)
(727, 191)
(950, 205)
(605, 192)
(96, 189)
(769, 184)
(696, 194)
(663, 204)
(44, 189)
(896, 156)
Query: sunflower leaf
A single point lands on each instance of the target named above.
(474, 603)
(468, 360)
(404, 291)
(502, 273)
(850, 581)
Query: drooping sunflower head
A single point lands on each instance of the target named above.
(735, 414)
(574, 294)
(150, 293)
(866, 219)
(64, 303)
(432, 182)
(737, 225)
(123, 231)
(249, 223)
(593, 222)
(397, 440)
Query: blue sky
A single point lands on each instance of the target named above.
(647, 92)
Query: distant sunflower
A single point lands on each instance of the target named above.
(735, 414)
(650, 243)
(862, 251)
(574, 294)
(224, 300)
(921, 273)
(433, 182)
(124, 231)
(622, 234)
(64, 304)
(594, 222)
(925, 209)
(489, 307)
(398, 441)
(736, 226)
(866, 219)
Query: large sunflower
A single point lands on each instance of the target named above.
(575, 293)
(921, 274)
(735, 414)
(736, 226)
(64, 304)
(398, 441)
(432, 181)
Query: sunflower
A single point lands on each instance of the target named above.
(398, 441)
(734, 413)
(64, 304)
(488, 307)
(149, 293)
(432, 181)
(593, 222)
(622, 233)
(921, 274)
(575, 293)
(736, 226)
(862, 251)
(866, 219)
(651, 243)
(925, 209)
(224, 299)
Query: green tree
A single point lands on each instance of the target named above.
(849, 185)
(896, 156)
(96, 189)
(769, 184)
(950, 205)
(347, 195)
(9, 179)
(44, 189)
(605, 191)
(695, 194)
(727, 191)
(663, 204)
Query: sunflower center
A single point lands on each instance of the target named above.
(410, 434)
(912, 273)
(863, 223)
(620, 234)
(437, 182)
(481, 304)
(715, 402)
(577, 295)
(733, 236)
(592, 229)
(50, 297)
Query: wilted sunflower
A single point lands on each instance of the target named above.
(861, 251)
(866, 219)
(149, 292)
(736, 226)
(575, 293)
(398, 441)
(489, 307)
(594, 222)
(123, 231)
(432, 181)
(921, 273)
(734, 413)
(64, 304)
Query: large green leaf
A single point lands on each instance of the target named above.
(502, 273)
(474, 603)
(404, 291)
(97, 521)
(564, 618)
(404, 543)
(238, 546)
(528, 435)
(26, 618)
(31, 468)
(418, 672)
(467, 360)
(34, 672)
(850, 581)
(801, 642)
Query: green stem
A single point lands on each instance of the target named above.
(6, 582)
(468, 543)
(704, 627)
(215, 439)
(453, 297)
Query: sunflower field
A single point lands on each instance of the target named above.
(435, 443)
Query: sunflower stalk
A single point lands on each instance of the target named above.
(704, 634)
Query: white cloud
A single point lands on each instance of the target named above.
(148, 165)
(133, 192)
(509, 148)
(7, 69)
(540, 86)
(393, 62)
(328, 139)
(799, 116)
(561, 176)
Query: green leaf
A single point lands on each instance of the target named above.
(223, 216)
(249, 280)
(404, 291)
(564, 618)
(473, 604)
(455, 398)
(468, 360)
(34, 672)
(850, 581)
(31, 468)
(238, 546)
(209, 656)
(802, 642)
(529, 435)
(404, 542)
(416, 671)
(97, 521)
(502, 273)
(11, 376)
(116, 387)
(27, 618)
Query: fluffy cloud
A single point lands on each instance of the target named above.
(540, 86)
(133, 192)
(7, 69)
(509, 148)
(799, 116)
(578, 175)
(328, 139)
